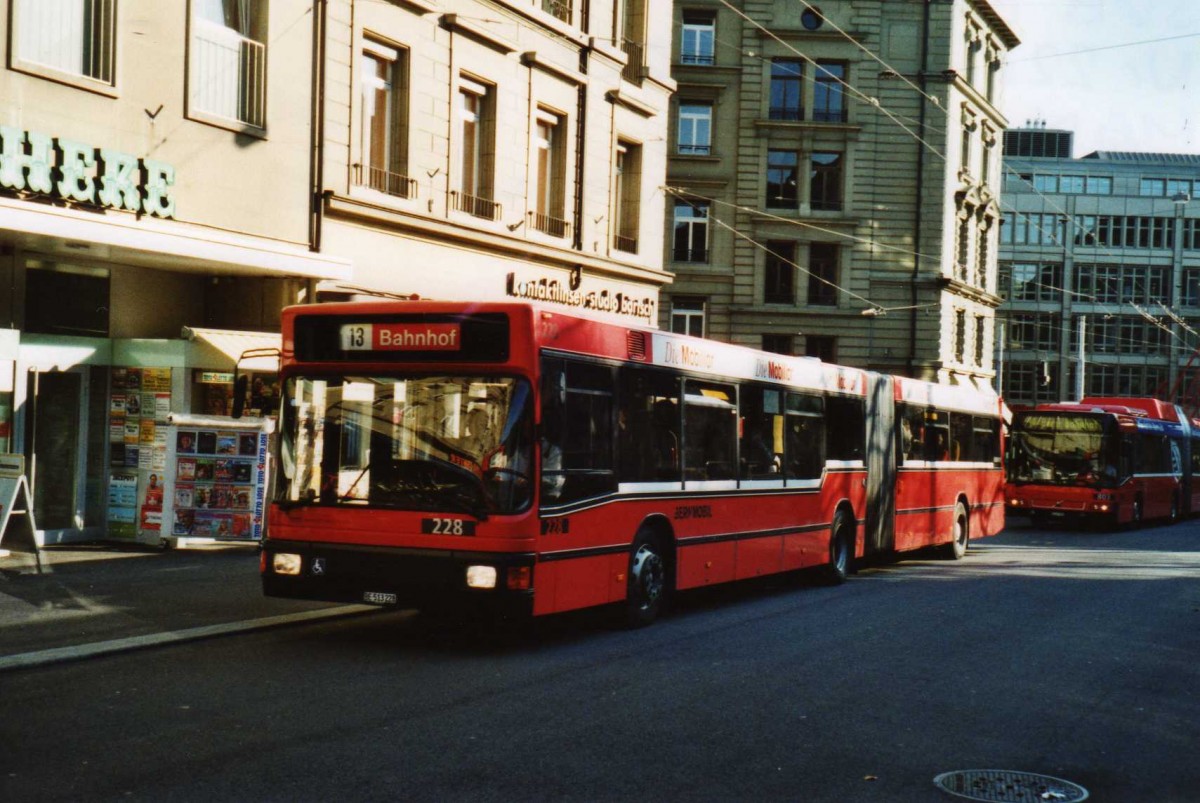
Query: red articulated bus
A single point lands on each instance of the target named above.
(519, 457)
(1106, 459)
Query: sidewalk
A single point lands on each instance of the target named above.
(96, 599)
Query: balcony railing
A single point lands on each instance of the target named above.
(636, 51)
(624, 243)
(379, 179)
(561, 9)
(474, 205)
(73, 36)
(230, 76)
(546, 224)
(699, 58)
(694, 150)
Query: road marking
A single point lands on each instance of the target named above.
(75, 653)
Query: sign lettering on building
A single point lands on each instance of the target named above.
(560, 291)
(75, 171)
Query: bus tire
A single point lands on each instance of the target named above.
(841, 548)
(960, 533)
(646, 591)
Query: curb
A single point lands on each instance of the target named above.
(63, 654)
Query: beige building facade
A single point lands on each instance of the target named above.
(834, 180)
(503, 150)
(172, 174)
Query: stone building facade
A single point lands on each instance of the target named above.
(834, 181)
(172, 174)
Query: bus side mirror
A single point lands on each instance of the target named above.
(240, 384)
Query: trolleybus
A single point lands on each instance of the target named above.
(1109, 460)
(515, 456)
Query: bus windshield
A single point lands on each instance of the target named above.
(1063, 449)
(431, 443)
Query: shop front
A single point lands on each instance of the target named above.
(92, 420)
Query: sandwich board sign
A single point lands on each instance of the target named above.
(17, 530)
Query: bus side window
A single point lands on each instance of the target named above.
(962, 444)
(710, 431)
(577, 443)
(845, 429)
(937, 436)
(806, 427)
(912, 433)
(648, 426)
(762, 433)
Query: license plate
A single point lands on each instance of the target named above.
(379, 598)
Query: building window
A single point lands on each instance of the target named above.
(822, 270)
(550, 181)
(698, 38)
(227, 78)
(960, 336)
(1122, 334)
(631, 21)
(1033, 282)
(1031, 382)
(781, 179)
(829, 100)
(1034, 332)
(477, 143)
(559, 9)
(823, 347)
(695, 128)
(627, 193)
(687, 316)
(1156, 187)
(779, 285)
(963, 249)
(968, 136)
(786, 100)
(76, 38)
(691, 231)
(825, 179)
(66, 300)
(1191, 288)
(982, 254)
(384, 122)
(778, 344)
(1021, 228)
(980, 335)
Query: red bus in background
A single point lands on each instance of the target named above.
(515, 456)
(1108, 459)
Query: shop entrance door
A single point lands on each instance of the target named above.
(55, 441)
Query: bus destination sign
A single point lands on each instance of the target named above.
(414, 336)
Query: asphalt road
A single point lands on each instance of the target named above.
(1067, 653)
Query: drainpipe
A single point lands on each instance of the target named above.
(920, 196)
(581, 129)
(316, 167)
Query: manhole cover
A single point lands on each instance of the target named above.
(1008, 786)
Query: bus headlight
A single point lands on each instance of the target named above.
(481, 576)
(286, 563)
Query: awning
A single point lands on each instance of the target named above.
(223, 348)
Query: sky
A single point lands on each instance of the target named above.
(1136, 86)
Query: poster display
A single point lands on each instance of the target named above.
(138, 407)
(216, 478)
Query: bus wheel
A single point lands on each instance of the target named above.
(960, 533)
(647, 588)
(841, 549)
